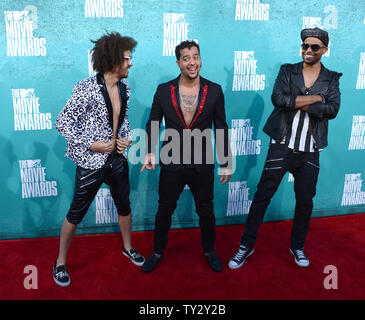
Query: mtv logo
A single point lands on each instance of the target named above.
(27, 93)
(178, 17)
(361, 119)
(34, 163)
(244, 122)
(104, 192)
(234, 185)
(353, 177)
(237, 185)
(246, 55)
(19, 15)
(358, 119)
(312, 22)
(243, 185)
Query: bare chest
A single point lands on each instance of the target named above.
(115, 101)
(188, 103)
(310, 78)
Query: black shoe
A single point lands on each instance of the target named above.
(134, 255)
(60, 275)
(151, 263)
(239, 258)
(214, 261)
(300, 258)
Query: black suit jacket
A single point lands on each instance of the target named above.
(191, 146)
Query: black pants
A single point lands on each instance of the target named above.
(114, 173)
(171, 185)
(305, 168)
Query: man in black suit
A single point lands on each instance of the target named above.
(190, 105)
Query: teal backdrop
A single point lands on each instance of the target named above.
(44, 51)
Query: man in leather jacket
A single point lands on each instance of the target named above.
(95, 124)
(305, 96)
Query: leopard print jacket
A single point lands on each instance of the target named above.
(85, 119)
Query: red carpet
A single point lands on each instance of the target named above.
(98, 270)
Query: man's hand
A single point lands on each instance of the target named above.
(104, 146)
(122, 144)
(225, 174)
(149, 162)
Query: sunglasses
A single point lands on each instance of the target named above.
(314, 47)
(129, 60)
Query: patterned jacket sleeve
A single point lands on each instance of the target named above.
(67, 122)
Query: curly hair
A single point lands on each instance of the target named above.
(108, 51)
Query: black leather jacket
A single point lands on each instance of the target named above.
(288, 85)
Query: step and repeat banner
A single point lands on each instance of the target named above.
(45, 49)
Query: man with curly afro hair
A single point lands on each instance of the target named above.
(95, 124)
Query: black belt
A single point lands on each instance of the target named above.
(295, 151)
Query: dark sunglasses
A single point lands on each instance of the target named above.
(314, 47)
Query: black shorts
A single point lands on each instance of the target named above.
(114, 173)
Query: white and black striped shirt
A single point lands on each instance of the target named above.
(301, 138)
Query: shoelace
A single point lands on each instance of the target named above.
(134, 254)
(300, 254)
(61, 274)
(240, 254)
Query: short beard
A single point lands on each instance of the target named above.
(311, 63)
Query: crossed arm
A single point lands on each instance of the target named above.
(283, 98)
(303, 102)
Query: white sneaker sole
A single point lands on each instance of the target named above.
(139, 264)
(236, 266)
(62, 284)
(300, 264)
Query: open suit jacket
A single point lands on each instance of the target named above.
(288, 85)
(183, 146)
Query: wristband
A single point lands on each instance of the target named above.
(323, 98)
